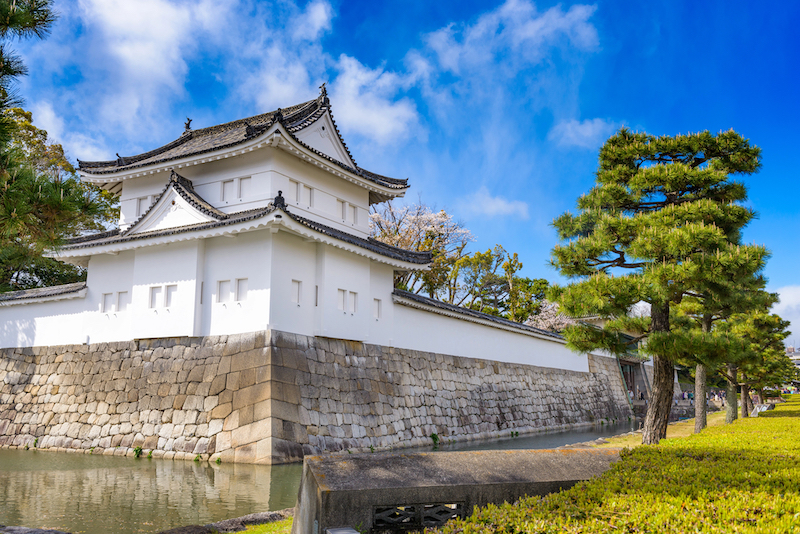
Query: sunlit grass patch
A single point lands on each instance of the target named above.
(277, 527)
(743, 477)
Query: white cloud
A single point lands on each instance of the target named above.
(483, 203)
(589, 133)
(366, 102)
(314, 21)
(516, 33)
(75, 144)
(789, 309)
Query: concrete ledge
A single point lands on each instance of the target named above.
(377, 492)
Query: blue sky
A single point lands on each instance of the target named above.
(495, 111)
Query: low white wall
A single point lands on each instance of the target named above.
(431, 332)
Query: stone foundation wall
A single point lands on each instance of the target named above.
(271, 397)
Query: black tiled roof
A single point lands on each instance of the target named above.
(185, 189)
(371, 244)
(193, 142)
(42, 292)
(116, 236)
(472, 313)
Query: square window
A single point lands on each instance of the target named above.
(223, 291)
(241, 289)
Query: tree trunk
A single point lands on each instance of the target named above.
(657, 418)
(747, 404)
(699, 398)
(730, 396)
(662, 393)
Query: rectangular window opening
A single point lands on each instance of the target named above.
(316, 295)
(123, 299)
(107, 305)
(353, 302)
(169, 295)
(241, 289)
(228, 190)
(297, 286)
(342, 302)
(223, 290)
(155, 296)
(376, 308)
(245, 187)
(342, 209)
(354, 214)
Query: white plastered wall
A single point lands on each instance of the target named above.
(248, 256)
(428, 331)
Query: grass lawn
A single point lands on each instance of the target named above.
(743, 477)
(278, 527)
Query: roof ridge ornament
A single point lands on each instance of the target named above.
(188, 125)
(277, 116)
(323, 94)
(279, 202)
(120, 160)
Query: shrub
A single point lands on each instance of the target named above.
(743, 477)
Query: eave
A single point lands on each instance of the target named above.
(276, 136)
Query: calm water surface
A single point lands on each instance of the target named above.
(106, 494)
(81, 493)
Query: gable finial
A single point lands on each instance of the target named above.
(323, 93)
(188, 125)
(277, 116)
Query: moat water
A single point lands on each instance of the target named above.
(87, 494)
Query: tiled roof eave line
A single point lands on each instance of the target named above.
(420, 258)
(453, 310)
(43, 293)
(375, 247)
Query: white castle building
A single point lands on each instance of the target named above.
(257, 224)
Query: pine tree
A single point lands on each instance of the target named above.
(716, 300)
(663, 217)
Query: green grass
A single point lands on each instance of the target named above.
(278, 527)
(743, 477)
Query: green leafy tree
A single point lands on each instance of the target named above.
(41, 200)
(663, 216)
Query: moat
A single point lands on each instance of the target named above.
(87, 494)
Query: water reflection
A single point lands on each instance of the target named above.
(97, 494)
(543, 440)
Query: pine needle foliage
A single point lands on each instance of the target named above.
(664, 217)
